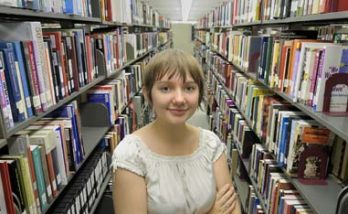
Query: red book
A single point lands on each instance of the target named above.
(32, 75)
(6, 186)
(342, 5)
(57, 46)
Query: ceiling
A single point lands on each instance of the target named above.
(172, 8)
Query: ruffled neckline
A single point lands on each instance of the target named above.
(146, 149)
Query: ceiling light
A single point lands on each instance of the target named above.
(185, 9)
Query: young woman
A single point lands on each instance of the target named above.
(169, 166)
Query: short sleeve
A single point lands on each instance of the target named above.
(128, 155)
(215, 148)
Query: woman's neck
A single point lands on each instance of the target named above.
(174, 132)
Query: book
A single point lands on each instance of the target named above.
(15, 90)
(41, 184)
(6, 185)
(4, 98)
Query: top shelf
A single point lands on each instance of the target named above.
(309, 20)
(10, 12)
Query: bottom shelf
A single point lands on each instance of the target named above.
(101, 191)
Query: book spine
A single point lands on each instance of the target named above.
(23, 78)
(36, 49)
(4, 98)
(16, 101)
(35, 87)
(39, 176)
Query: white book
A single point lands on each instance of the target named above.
(11, 3)
(301, 64)
(331, 65)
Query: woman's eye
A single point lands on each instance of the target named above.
(190, 88)
(164, 89)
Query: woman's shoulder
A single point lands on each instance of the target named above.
(130, 143)
(209, 137)
(129, 155)
(213, 146)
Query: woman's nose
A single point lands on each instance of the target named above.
(179, 96)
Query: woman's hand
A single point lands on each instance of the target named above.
(226, 200)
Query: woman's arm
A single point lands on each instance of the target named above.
(226, 199)
(129, 193)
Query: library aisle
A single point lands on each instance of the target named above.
(276, 72)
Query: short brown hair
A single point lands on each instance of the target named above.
(173, 62)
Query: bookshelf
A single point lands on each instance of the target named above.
(336, 124)
(94, 117)
(313, 194)
(321, 198)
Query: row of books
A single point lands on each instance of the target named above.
(281, 127)
(278, 192)
(220, 16)
(132, 12)
(234, 128)
(291, 64)
(45, 155)
(248, 11)
(39, 69)
(86, 185)
(116, 93)
(50, 151)
(122, 11)
(75, 7)
(231, 123)
(51, 65)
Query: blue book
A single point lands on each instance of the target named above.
(68, 111)
(283, 124)
(16, 100)
(36, 5)
(19, 58)
(69, 7)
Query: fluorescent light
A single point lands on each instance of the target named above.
(185, 9)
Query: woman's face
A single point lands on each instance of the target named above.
(173, 100)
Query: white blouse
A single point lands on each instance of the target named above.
(175, 184)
